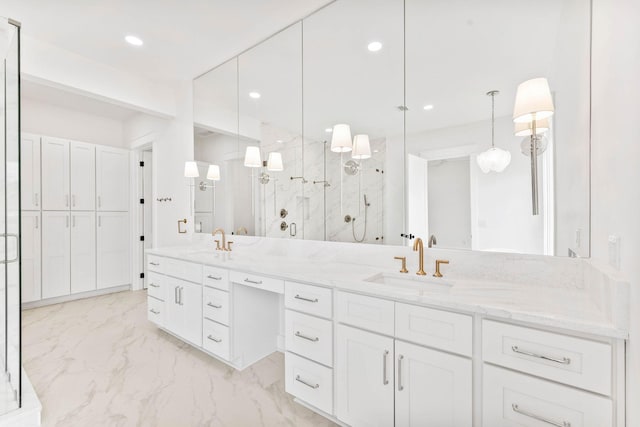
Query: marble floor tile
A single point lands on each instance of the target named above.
(99, 362)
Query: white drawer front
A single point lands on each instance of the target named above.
(215, 305)
(435, 328)
(309, 337)
(512, 399)
(155, 288)
(256, 281)
(215, 338)
(188, 271)
(155, 311)
(214, 277)
(309, 382)
(369, 313)
(155, 263)
(570, 360)
(309, 299)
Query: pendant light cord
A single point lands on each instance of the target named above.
(493, 118)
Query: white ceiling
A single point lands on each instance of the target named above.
(182, 38)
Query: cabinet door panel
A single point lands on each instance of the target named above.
(83, 176)
(56, 248)
(190, 300)
(55, 174)
(173, 319)
(364, 363)
(113, 249)
(31, 261)
(83, 252)
(30, 172)
(112, 179)
(432, 388)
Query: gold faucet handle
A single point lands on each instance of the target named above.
(217, 245)
(404, 263)
(438, 262)
(229, 246)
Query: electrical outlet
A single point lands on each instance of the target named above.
(614, 251)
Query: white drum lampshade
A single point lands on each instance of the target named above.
(361, 147)
(533, 101)
(191, 170)
(252, 157)
(213, 173)
(274, 163)
(341, 139)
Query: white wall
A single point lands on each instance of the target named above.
(615, 157)
(51, 120)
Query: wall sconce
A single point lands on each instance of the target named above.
(341, 139)
(533, 103)
(213, 174)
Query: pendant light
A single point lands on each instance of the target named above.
(494, 159)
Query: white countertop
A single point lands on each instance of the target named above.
(558, 307)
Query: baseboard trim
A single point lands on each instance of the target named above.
(74, 297)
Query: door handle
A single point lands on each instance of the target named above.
(175, 295)
(400, 386)
(6, 236)
(67, 220)
(385, 380)
(306, 337)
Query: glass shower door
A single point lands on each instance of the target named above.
(10, 379)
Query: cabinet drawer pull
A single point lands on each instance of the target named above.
(255, 282)
(214, 339)
(154, 286)
(517, 409)
(154, 263)
(214, 277)
(385, 380)
(564, 360)
(300, 380)
(306, 299)
(301, 335)
(210, 304)
(400, 386)
(154, 312)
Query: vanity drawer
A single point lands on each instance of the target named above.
(257, 281)
(309, 382)
(188, 271)
(309, 299)
(435, 328)
(309, 336)
(214, 277)
(215, 338)
(155, 263)
(154, 286)
(155, 310)
(513, 399)
(570, 360)
(369, 313)
(215, 305)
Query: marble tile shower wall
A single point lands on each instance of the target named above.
(316, 211)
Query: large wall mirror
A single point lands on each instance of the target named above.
(371, 120)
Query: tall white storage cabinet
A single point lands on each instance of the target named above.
(112, 179)
(31, 270)
(30, 172)
(56, 254)
(55, 174)
(113, 249)
(83, 176)
(83, 252)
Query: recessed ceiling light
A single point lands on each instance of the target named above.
(376, 151)
(254, 95)
(279, 141)
(428, 107)
(328, 130)
(136, 41)
(374, 46)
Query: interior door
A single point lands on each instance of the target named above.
(55, 174)
(83, 252)
(433, 388)
(364, 378)
(83, 176)
(147, 217)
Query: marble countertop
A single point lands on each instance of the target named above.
(565, 308)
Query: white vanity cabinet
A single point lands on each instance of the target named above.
(183, 306)
(30, 172)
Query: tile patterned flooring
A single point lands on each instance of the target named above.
(99, 362)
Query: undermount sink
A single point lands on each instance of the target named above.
(412, 281)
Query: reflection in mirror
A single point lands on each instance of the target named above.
(353, 76)
(461, 191)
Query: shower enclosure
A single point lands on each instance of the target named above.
(10, 351)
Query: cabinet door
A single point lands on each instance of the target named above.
(30, 172)
(83, 252)
(432, 388)
(55, 174)
(112, 179)
(56, 262)
(364, 375)
(113, 249)
(30, 240)
(173, 319)
(83, 176)
(190, 301)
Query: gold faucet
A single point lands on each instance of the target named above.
(418, 246)
(224, 240)
(438, 262)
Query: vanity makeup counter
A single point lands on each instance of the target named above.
(501, 339)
